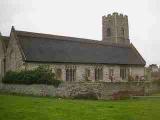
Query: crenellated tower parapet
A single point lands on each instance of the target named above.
(115, 28)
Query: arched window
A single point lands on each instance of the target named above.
(87, 72)
(108, 32)
(124, 73)
(70, 73)
(98, 74)
(122, 32)
(111, 74)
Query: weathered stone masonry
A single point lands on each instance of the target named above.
(80, 71)
(101, 90)
(14, 60)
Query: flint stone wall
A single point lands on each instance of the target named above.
(101, 90)
(35, 90)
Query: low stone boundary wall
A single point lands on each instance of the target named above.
(99, 90)
(37, 90)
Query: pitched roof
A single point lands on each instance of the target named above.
(52, 48)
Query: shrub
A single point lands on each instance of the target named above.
(40, 75)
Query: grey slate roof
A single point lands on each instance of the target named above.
(60, 49)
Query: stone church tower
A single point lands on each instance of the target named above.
(115, 29)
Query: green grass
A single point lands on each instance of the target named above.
(38, 108)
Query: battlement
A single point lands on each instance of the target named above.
(115, 28)
(118, 15)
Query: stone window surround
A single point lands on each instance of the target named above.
(70, 72)
(87, 72)
(123, 72)
(111, 73)
(98, 71)
(109, 32)
(122, 32)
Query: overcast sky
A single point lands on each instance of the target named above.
(82, 18)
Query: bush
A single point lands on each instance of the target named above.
(40, 75)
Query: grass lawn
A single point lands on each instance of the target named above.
(38, 108)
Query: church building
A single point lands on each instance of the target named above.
(112, 59)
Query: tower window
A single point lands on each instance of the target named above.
(108, 32)
(122, 32)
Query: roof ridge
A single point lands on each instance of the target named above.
(68, 38)
(44, 35)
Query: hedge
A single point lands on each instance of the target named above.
(40, 75)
